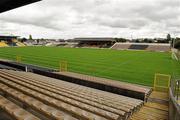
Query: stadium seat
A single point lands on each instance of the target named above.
(15, 111)
(29, 102)
(157, 47)
(79, 101)
(50, 99)
(75, 103)
(120, 46)
(3, 44)
(80, 92)
(138, 47)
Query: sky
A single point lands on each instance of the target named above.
(94, 18)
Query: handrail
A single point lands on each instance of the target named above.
(174, 106)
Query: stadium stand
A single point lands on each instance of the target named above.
(127, 89)
(157, 47)
(138, 47)
(71, 45)
(20, 44)
(60, 100)
(14, 110)
(3, 44)
(120, 46)
(142, 46)
(10, 41)
(17, 43)
(94, 42)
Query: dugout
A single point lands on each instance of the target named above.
(6, 5)
(95, 42)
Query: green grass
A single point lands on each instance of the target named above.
(129, 66)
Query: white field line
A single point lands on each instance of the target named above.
(113, 45)
(174, 56)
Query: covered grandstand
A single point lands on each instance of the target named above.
(95, 42)
(10, 40)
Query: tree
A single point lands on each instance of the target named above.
(168, 38)
(177, 43)
(23, 40)
(146, 40)
(137, 41)
(30, 37)
(120, 40)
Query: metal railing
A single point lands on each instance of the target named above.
(175, 53)
(174, 92)
(175, 86)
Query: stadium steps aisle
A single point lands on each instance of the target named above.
(60, 99)
(159, 97)
(155, 109)
(120, 46)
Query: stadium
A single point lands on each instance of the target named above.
(93, 78)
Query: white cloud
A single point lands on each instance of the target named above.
(72, 18)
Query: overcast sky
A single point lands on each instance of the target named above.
(94, 18)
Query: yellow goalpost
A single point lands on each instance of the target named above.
(162, 82)
(18, 59)
(63, 66)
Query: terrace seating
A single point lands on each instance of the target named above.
(140, 92)
(12, 44)
(20, 44)
(74, 101)
(157, 47)
(3, 44)
(138, 47)
(70, 45)
(14, 110)
(142, 46)
(120, 46)
(17, 43)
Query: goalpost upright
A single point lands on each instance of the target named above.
(162, 82)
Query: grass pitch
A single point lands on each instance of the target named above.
(129, 66)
